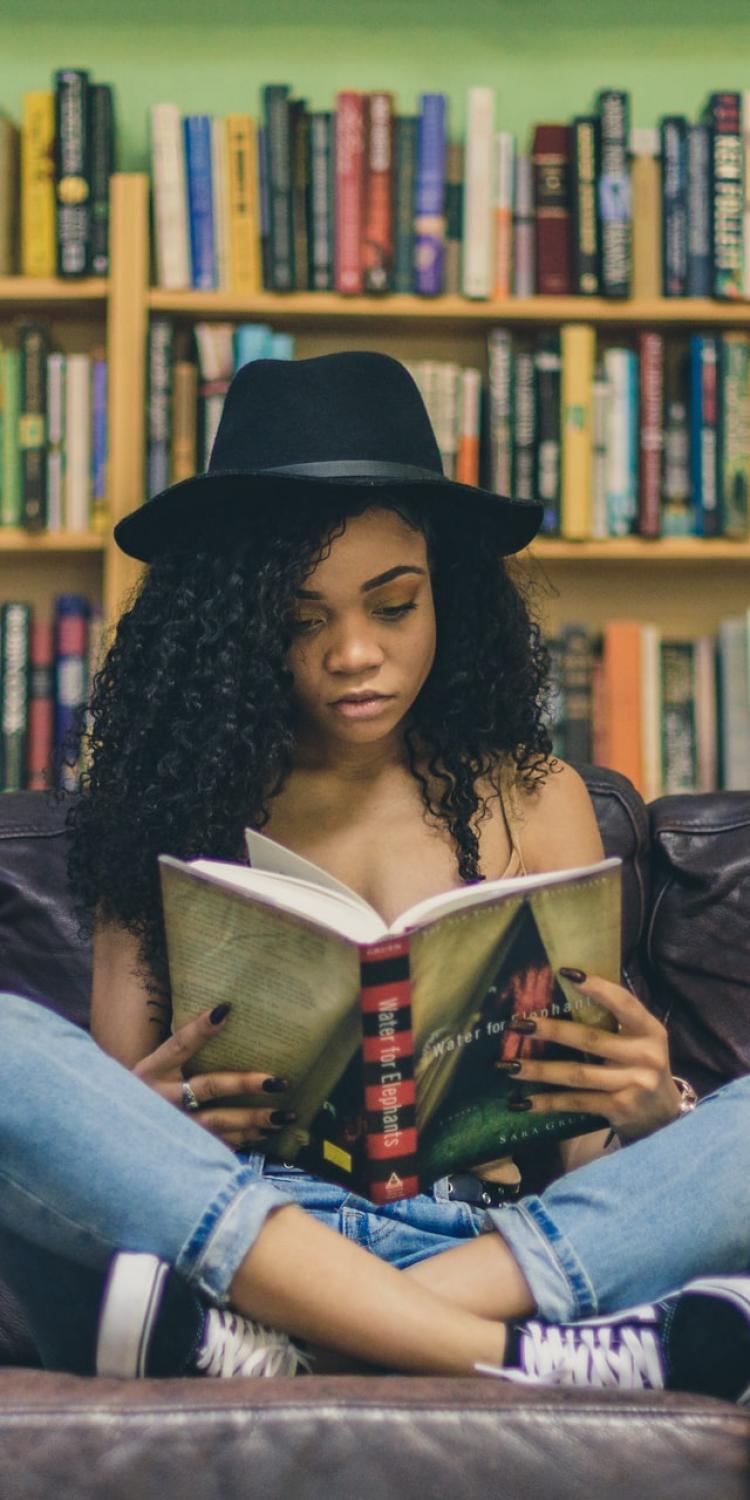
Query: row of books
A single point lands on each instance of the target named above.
(46, 670)
(672, 715)
(360, 198)
(54, 179)
(53, 426)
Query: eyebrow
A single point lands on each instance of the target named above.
(372, 583)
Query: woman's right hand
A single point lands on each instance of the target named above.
(234, 1124)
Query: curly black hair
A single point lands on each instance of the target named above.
(191, 721)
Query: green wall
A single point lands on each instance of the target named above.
(545, 60)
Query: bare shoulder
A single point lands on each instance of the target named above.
(557, 825)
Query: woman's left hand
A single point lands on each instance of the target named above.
(632, 1086)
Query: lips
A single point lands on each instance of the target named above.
(360, 698)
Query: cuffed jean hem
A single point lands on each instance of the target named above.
(555, 1276)
(226, 1233)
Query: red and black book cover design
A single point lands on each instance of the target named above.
(349, 192)
(651, 433)
(551, 167)
(377, 248)
(723, 114)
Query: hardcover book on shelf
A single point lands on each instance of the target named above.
(215, 345)
(184, 420)
(72, 171)
(652, 713)
(734, 702)
(705, 450)
(102, 133)
(320, 237)
(33, 345)
(478, 259)
(523, 228)
(500, 410)
(745, 121)
(547, 364)
(242, 204)
(651, 433)
(41, 707)
(71, 645)
(9, 194)
(405, 166)
(56, 384)
(10, 412)
(674, 157)
(158, 408)
(99, 442)
(277, 146)
(584, 175)
(645, 186)
(614, 192)
(576, 664)
(15, 624)
(699, 259)
(524, 425)
(551, 168)
(679, 736)
(734, 427)
(38, 211)
(621, 369)
(349, 192)
(454, 215)
(622, 666)
(220, 201)
(197, 133)
(386, 1034)
(299, 126)
(601, 395)
(469, 431)
(722, 115)
(504, 168)
(578, 350)
(170, 199)
(678, 510)
(78, 443)
(429, 207)
(378, 210)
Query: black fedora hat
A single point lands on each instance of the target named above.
(302, 426)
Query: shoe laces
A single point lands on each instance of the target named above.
(625, 1355)
(234, 1345)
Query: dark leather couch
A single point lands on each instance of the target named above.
(687, 947)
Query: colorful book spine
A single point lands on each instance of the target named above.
(41, 719)
(645, 183)
(299, 126)
(734, 703)
(278, 166)
(454, 213)
(102, 133)
(469, 432)
(15, 624)
(405, 163)
(349, 192)
(651, 433)
(734, 388)
(576, 671)
(727, 194)
(621, 368)
(601, 397)
(72, 172)
(33, 345)
(264, 206)
(38, 211)
(614, 192)
(78, 443)
(524, 426)
(429, 209)
(388, 1065)
(504, 164)
(548, 453)
(674, 155)
(377, 247)
(678, 511)
(320, 239)
(746, 192)
(170, 198)
(220, 199)
(704, 432)
(56, 380)
(99, 451)
(551, 169)
(524, 242)
(184, 453)
(500, 410)
(679, 737)
(584, 172)
(10, 489)
(477, 262)
(623, 750)
(578, 349)
(10, 172)
(198, 162)
(71, 617)
(699, 263)
(242, 202)
(652, 758)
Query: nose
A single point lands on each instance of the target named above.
(353, 649)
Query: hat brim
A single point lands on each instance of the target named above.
(202, 510)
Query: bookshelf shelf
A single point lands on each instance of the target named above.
(329, 306)
(697, 550)
(14, 539)
(43, 290)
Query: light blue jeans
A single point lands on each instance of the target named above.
(92, 1161)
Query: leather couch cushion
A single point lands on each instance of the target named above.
(698, 941)
(623, 822)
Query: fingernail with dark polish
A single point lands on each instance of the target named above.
(577, 976)
(518, 1104)
(509, 1067)
(522, 1024)
(265, 1131)
(275, 1085)
(282, 1116)
(219, 1012)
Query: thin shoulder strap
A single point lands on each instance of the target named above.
(508, 804)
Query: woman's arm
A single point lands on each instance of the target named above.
(126, 1020)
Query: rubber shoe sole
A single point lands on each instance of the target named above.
(131, 1301)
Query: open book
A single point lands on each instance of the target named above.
(387, 1035)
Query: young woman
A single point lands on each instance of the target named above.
(328, 646)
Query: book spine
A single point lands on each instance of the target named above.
(78, 443)
(622, 449)
(447, 383)
(429, 207)
(278, 151)
(651, 436)
(71, 616)
(652, 759)
(242, 195)
(15, 624)
(220, 200)
(551, 169)
(601, 396)
(727, 194)
(679, 740)
(576, 664)
(699, 211)
(102, 166)
(622, 693)
(349, 192)
(524, 426)
(170, 198)
(38, 244)
(33, 344)
(734, 385)
(504, 165)
(72, 172)
(645, 182)
(454, 213)
(584, 171)
(678, 511)
(548, 452)
(500, 353)
(198, 153)
(10, 175)
(41, 707)
(264, 206)
(704, 446)
(99, 453)
(184, 419)
(388, 1067)
(378, 211)
(10, 489)
(578, 345)
(614, 193)
(477, 237)
(745, 193)
(405, 160)
(56, 366)
(300, 143)
(467, 457)
(706, 726)
(674, 205)
(523, 228)
(320, 240)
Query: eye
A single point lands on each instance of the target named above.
(394, 611)
(304, 627)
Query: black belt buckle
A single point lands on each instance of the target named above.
(464, 1187)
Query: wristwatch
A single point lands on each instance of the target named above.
(688, 1096)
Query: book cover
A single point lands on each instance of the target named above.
(678, 510)
(745, 123)
(524, 425)
(377, 248)
(645, 185)
(524, 238)
(264, 206)
(705, 452)
(548, 366)
(387, 1035)
(674, 156)
(578, 351)
(102, 135)
(601, 395)
(576, 671)
(706, 726)
(734, 426)
(170, 210)
(722, 115)
(33, 348)
(184, 451)
(277, 146)
(504, 168)
(99, 443)
(454, 215)
(651, 433)
(734, 702)
(70, 634)
(551, 171)
(320, 208)
(10, 174)
(679, 738)
(621, 369)
(78, 443)
(38, 212)
(197, 131)
(404, 187)
(349, 192)
(220, 200)
(299, 125)
(56, 382)
(621, 658)
(614, 192)
(500, 410)
(652, 746)
(72, 172)
(699, 259)
(468, 452)
(477, 236)
(429, 195)
(15, 624)
(10, 488)
(584, 176)
(41, 712)
(242, 196)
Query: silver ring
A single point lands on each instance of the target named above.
(190, 1100)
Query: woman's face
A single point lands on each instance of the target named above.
(363, 631)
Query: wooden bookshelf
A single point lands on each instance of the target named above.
(14, 539)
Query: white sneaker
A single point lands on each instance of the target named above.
(234, 1345)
